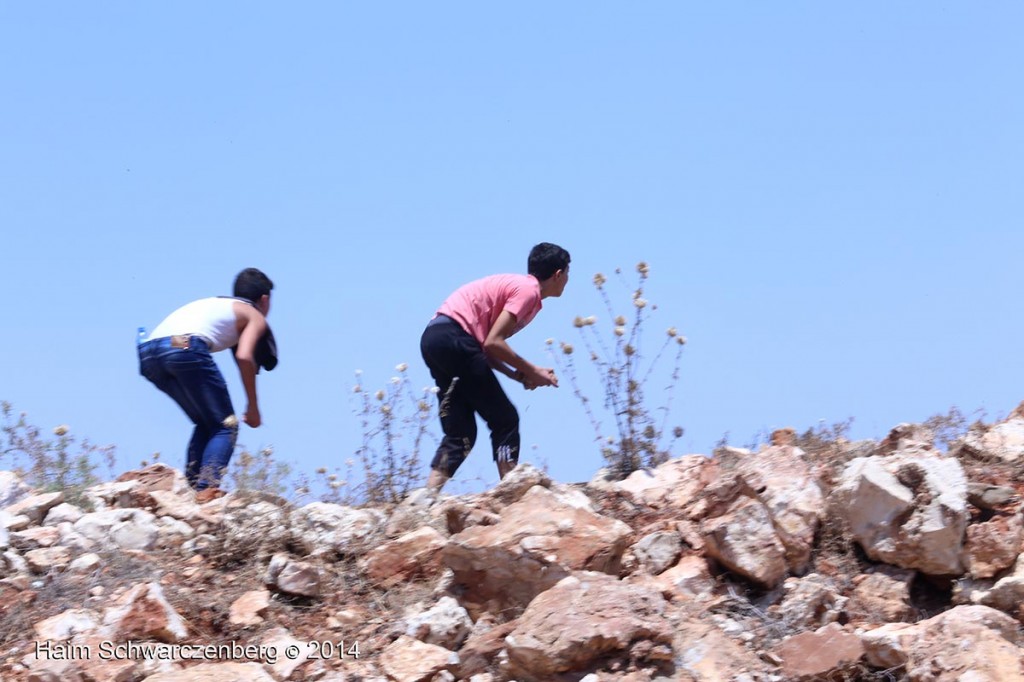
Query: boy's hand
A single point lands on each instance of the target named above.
(541, 376)
(252, 417)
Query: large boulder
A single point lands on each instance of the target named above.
(1005, 594)
(881, 596)
(743, 540)
(445, 624)
(250, 529)
(703, 653)
(824, 654)
(908, 510)
(414, 555)
(973, 643)
(1002, 442)
(325, 529)
(585, 618)
(34, 507)
(119, 529)
(994, 545)
(675, 483)
(537, 542)
(783, 480)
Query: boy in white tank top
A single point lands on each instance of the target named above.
(177, 359)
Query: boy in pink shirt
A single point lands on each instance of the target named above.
(467, 340)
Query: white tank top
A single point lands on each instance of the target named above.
(211, 318)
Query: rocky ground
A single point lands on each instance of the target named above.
(809, 560)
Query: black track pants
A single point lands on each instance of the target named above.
(467, 385)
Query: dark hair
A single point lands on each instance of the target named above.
(545, 259)
(252, 284)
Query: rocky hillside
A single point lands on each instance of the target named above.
(825, 560)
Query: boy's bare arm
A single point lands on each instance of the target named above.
(253, 325)
(497, 349)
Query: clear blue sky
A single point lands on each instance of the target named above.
(828, 196)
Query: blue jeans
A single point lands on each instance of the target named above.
(191, 377)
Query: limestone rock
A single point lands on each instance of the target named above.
(158, 477)
(115, 495)
(12, 489)
(482, 649)
(62, 513)
(882, 596)
(86, 563)
(35, 538)
(35, 507)
(994, 545)
(279, 640)
(536, 543)
(810, 602)
(783, 480)
(822, 654)
(516, 484)
(658, 551)
(1006, 594)
(676, 483)
(249, 608)
(743, 540)
(144, 613)
(410, 660)
(414, 555)
(445, 624)
(321, 528)
(965, 643)
(1002, 442)
(284, 574)
(689, 578)
(177, 506)
(706, 654)
(584, 618)
(251, 528)
(118, 528)
(988, 496)
(48, 559)
(66, 625)
(907, 510)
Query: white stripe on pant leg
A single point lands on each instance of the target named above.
(505, 453)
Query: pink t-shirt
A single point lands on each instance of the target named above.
(477, 305)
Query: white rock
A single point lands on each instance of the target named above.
(86, 563)
(321, 528)
(12, 489)
(907, 510)
(68, 624)
(446, 624)
(63, 512)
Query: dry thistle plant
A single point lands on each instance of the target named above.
(51, 465)
(395, 423)
(259, 473)
(640, 433)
